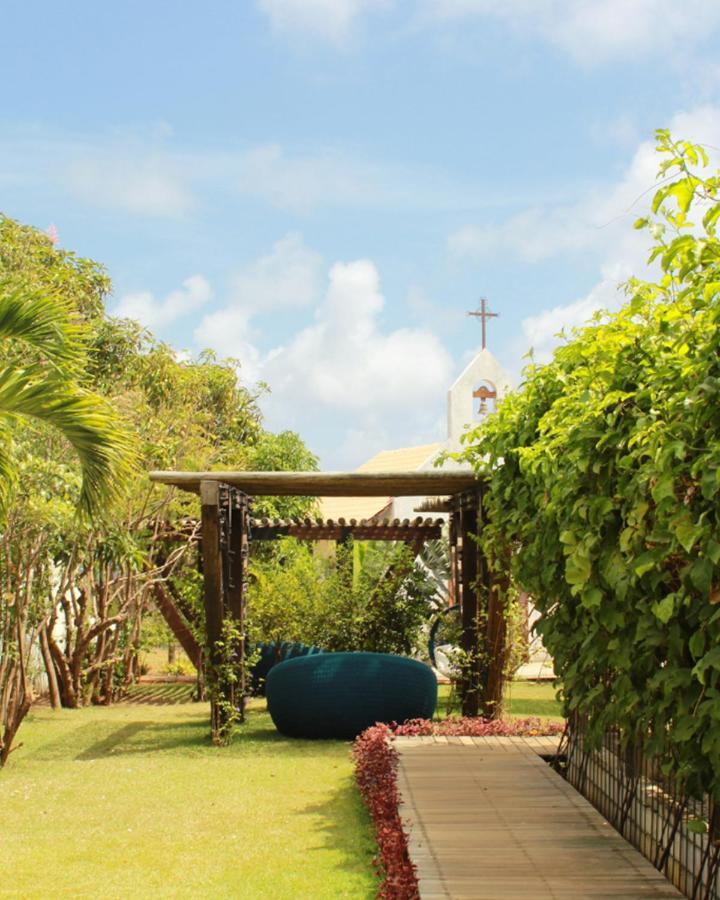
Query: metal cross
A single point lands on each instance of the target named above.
(484, 314)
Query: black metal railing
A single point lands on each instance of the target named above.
(649, 808)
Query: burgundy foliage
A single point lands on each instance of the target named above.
(376, 763)
(477, 727)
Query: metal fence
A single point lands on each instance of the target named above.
(649, 809)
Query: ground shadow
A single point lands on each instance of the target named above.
(342, 824)
(160, 694)
(115, 739)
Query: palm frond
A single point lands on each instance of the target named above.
(42, 321)
(8, 471)
(88, 423)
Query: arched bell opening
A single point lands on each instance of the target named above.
(486, 394)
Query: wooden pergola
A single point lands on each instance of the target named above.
(227, 528)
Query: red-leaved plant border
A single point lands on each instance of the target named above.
(376, 763)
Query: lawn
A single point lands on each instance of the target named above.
(132, 801)
(522, 698)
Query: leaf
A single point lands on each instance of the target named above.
(696, 644)
(685, 242)
(697, 826)
(684, 728)
(711, 660)
(683, 191)
(712, 550)
(578, 568)
(687, 533)
(664, 487)
(701, 575)
(665, 608)
(611, 617)
(647, 561)
(709, 482)
(591, 598)
(711, 217)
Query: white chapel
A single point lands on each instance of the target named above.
(474, 394)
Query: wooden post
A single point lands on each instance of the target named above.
(470, 686)
(496, 645)
(495, 590)
(236, 595)
(454, 558)
(213, 596)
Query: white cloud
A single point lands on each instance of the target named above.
(343, 373)
(377, 387)
(155, 313)
(345, 363)
(286, 277)
(333, 178)
(134, 182)
(332, 20)
(622, 251)
(599, 221)
(299, 183)
(531, 235)
(147, 174)
(593, 31)
(622, 130)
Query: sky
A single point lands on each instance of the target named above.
(322, 189)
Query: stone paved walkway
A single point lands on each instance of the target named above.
(488, 818)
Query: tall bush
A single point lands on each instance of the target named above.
(377, 600)
(604, 480)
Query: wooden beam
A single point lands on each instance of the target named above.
(177, 624)
(327, 484)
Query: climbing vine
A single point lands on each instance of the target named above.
(604, 481)
(224, 683)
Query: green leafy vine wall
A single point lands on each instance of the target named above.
(604, 485)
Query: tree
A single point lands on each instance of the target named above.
(41, 348)
(77, 587)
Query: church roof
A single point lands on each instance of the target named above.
(406, 459)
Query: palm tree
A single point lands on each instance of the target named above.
(41, 357)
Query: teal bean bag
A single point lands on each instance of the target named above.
(338, 695)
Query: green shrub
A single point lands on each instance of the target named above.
(603, 485)
(367, 597)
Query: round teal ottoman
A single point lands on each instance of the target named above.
(338, 695)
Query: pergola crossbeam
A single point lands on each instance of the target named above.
(327, 484)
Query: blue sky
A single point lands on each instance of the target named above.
(323, 188)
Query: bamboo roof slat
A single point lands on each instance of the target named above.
(270, 529)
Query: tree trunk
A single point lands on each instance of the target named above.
(53, 689)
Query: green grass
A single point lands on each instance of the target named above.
(132, 800)
(522, 698)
